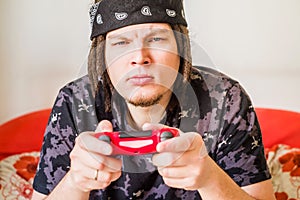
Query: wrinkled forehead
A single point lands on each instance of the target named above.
(141, 29)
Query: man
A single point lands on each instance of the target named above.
(141, 78)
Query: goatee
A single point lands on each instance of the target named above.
(146, 102)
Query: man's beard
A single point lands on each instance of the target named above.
(146, 102)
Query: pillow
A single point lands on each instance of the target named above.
(23, 134)
(279, 126)
(16, 175)
(284, 165)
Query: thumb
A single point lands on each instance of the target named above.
(104, 126)
(152, 126)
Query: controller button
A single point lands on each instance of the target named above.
(166, 135)
(105, 138)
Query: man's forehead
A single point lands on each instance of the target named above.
(147, 28)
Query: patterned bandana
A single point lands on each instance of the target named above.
(108, 15)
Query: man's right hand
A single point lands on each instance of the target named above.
(91, 164)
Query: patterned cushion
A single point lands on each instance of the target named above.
(284, 164)
(17, 172)
(16, 175)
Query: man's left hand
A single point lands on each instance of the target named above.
(180, 160)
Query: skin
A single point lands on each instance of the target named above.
(143, 55)
(137, 61)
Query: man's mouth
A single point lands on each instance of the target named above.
(140, 80)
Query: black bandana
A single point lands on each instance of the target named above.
(109, 15)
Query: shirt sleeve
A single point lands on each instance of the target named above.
(58, 142)
(240, 149)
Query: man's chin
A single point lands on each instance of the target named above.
(145, 102)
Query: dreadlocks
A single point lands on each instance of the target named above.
(97, 69)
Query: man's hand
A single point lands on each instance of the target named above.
(183, 162)
(179, 160)
(91, 166)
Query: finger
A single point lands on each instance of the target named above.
(109, 164)
(80, 157)
(103, 180)
(186, 142)
(83, 177)
(152, 126)
(87, 141)
(81, 172)
(166, 159)
(180, 171)
(173, 172)
(173, 159)
(104, 126)
(188, 183)
(97, 161)
(93, 179)
(107, 177)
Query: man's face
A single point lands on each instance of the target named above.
(142, 62)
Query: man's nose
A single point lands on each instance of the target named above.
(141, 56)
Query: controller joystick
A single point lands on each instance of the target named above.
(104, 138)
(166, 135)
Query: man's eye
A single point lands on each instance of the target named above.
(120, 43)
(156, 39)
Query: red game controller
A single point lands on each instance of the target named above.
(136, 143)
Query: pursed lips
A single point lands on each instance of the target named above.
(140, 80)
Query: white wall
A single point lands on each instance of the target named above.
(255, 41)
(44, 44)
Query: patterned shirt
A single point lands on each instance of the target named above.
(212, 104)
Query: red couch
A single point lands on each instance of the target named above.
(279, 127)
(21, 139)
(281, 136)
(23, 134)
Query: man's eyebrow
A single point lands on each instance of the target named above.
(159, 31)
(151, 32)
(116, 36)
